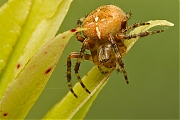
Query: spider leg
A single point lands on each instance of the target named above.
(134, 26)
(118, 56)
(127, 17)
(142, 34)
(74, 55)
(78, 34)
(124, 22)
(76, 69)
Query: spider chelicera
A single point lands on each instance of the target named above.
(107, 27)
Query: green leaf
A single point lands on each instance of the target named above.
(85, 108)
(70, 104)
(13, 18)
(93, 80)
(27, 26)
(26, 68)
(26, 88)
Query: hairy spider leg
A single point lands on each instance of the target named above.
(79, 59)
(72, 55)
(142, 34)
(135, 25)
(127, 17)
(118, 56)
(75, 55)
(78, 34)
(124, 22)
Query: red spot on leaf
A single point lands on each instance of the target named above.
(45, 52)
(63, 37)
(5, 114)
(48, 70)
(18, 66)
(73, 30)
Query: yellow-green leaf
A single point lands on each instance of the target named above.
(22, 93)
(28, 24)
(13, 15)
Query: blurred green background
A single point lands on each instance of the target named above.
(152, 66)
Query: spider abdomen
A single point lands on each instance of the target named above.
(103, 21)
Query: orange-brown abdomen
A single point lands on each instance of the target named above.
(103, 21)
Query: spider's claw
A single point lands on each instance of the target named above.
(127, 81)
(85, 88)
(72, 91)
(126, 78)
(75, 95)
(88, 91)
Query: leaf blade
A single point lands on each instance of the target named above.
(24, 91)
(41, 25)
(12, 15)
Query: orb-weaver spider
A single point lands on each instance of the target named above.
(107, 27)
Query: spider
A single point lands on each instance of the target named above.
(107, 27)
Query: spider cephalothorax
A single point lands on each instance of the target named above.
(106, 31)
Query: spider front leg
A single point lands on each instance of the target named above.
(133, 26)
(119, 58)
(72, 55)
(79, 57)
(76, 69)
(75, 55)
(124, 24)
(142, 34)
